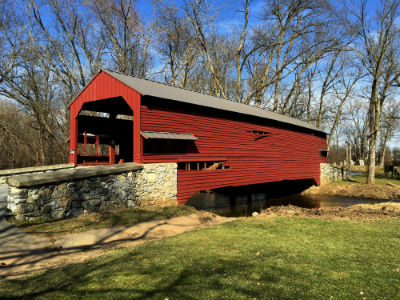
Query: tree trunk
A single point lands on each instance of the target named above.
(374, 121)
(276, 95)
(382, 160)
(385, 138)
(371, 163)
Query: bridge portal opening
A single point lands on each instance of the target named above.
(105, 132)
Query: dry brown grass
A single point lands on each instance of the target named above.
(359, 212)
(382, 192)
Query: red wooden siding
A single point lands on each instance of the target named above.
(102, 87)
(284, 154)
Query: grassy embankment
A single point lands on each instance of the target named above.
(104, 219)
(253, 258)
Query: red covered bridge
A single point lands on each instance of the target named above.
(216, 143)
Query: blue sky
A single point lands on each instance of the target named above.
(229, 11)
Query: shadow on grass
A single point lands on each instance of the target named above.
(102, 219)
(271, 258)
(220, 278)
(40, 250)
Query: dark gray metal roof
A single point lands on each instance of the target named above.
(160, 90)
(168, 135)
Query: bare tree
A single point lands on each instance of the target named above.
(16, 137)
(10, 42)
(356, 127)
(68, 45)
(33, 88)
(295, 35)
(378, 43)
(389, 123)
(293, 21)
(126, 37)
(310, 74)
(199, 14)
(177, 46)
(241, 54)
(343, 92)
(328, 82)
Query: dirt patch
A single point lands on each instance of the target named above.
(362, 212)
(384, 192)
(17, 260)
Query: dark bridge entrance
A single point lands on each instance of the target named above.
(105, 132)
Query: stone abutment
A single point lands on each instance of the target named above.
(74, 191)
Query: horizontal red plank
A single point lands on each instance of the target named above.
(284, 154)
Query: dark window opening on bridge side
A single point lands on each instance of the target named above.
(158, 142)
(323, 152)
(202, 165)
(259, 132)
(166, 146)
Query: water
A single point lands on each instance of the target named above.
(224, 205)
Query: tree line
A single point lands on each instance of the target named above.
(329, 63)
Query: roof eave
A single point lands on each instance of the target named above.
(111, 73)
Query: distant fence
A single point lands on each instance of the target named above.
(331, 173)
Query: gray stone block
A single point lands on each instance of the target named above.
(20, 218)
(76, 204)
(85, 197)
(57, 194)
(45, 194)
(116, 184)
(11, 206)
(31, 200)
(32, 192)
(75, 212)
(92, 205)
(46, 210)
(22, 208)
(65, 202)
(19, 200)
(57, 213)
(54, 204)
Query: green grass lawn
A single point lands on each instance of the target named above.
(104, 219)
(253, 258)
(380, 178)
